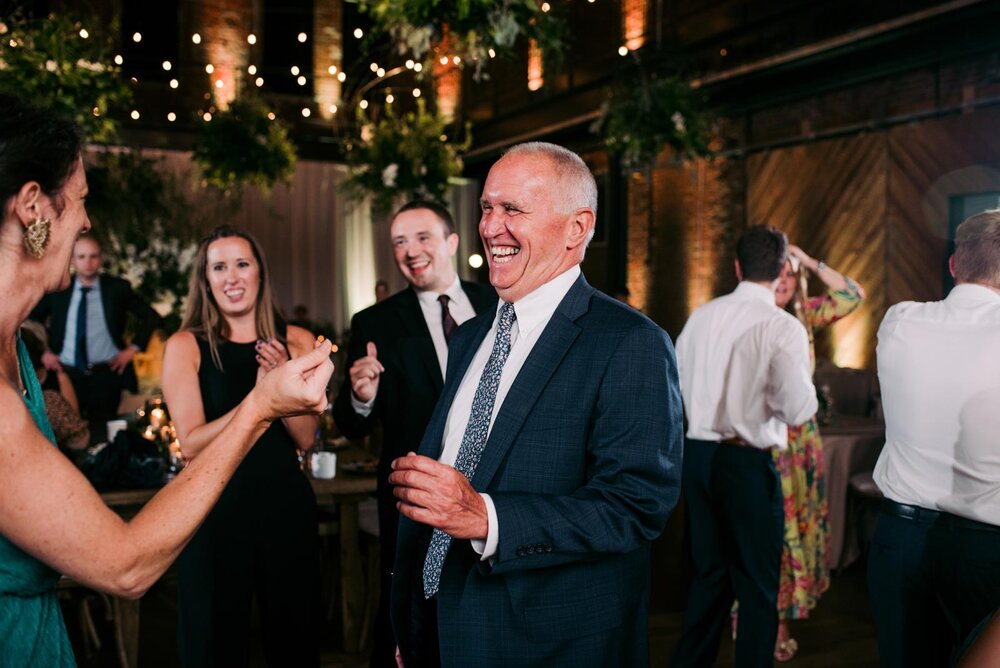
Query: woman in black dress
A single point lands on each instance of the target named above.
(260, 541)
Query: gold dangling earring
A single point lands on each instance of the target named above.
(36, 237)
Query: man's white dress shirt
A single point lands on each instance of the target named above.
(533, 312)
(939, 370)
(744, 369)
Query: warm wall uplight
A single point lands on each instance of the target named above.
(535, 69)
(634, 23)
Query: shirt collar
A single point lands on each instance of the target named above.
(78, 286)
(538, 306)
(430, 297)
(751, 290)
(973, 291)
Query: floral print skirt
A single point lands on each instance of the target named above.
(805, 556)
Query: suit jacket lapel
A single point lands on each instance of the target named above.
(416, 340)
(553, 344)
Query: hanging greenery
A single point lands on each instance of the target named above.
(406, 155)
(642, 116)
(475, 30)
(243, 145)
(65, 65)
(145, 226)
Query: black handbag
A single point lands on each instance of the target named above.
(128, 462)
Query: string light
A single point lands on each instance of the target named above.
(390, 98)
(270, 116)
(119, 60)
(174, 83)
(622, 50)
(96, 111)
(252, 70)
(167, 65)
(333, 108)
(417, 67)
(209, 68)
(332, 70)
(135, 115)
(84, 34)
(493, 54)
(456, 60)
(546, 6)
(301, 81)
(207, 117)
(416, 92)
(358, 33)
(305, 112)
(251, 39)
(171, 117)
(363, 104)
(444, 60)
(219, 83)
(196, 38)
(373, 67)
(409, 64)
(341, 77)
(380, 73)
(295, 70)
(302, 38)
(259, 82)
(137, 37)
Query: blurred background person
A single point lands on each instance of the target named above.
(805, 563)
(51, 520)
(261, 539)
(86, 325)
(70, 429)
(381, 291)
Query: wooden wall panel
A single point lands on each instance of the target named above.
(830, 198)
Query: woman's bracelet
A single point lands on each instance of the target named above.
(820, 266)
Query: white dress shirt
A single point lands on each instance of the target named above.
(744, 369)
(939, 369)
(100, 346)
(461, 310)
(533, 313)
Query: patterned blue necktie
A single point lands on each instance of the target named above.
(474, 439)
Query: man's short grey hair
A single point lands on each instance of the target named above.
(977, 249)
(580, 188)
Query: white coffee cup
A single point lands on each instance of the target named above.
(115, 426)
(323, 465)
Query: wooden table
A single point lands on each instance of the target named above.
(344, 491)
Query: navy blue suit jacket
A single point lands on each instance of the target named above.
(583, 466)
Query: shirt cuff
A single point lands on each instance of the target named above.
(488, 548)
(362, 408)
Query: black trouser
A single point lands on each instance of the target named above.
(932, 577)
(99, 391)
(735, 522)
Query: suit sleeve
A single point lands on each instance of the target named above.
(42, 311)
(634, 446)
(349, 423)
(146, 319)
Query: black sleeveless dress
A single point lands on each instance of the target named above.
(260, 540)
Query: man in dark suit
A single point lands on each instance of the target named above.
(397, 357)
(552, 459)
(86, 325)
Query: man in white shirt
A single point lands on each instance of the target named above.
(744, 368)
(551, 461)
(934, 566)
(396, 361)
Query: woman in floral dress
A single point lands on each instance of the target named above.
(805, 559)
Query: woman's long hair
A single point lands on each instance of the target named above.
(202, 316)
(797, 305)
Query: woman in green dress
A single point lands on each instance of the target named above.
(51, 520)
(805, 567)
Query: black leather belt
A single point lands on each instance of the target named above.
(908, 512)
(737, 441)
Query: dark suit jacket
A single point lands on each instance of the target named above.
(118, 300)
(409, 388)
(583, 466)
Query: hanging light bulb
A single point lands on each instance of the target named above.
(171, 117)
(209, 68)
(84, 34)
(251, 39)
(302, 38)
(174, 83)
(137, 37)
(196, 38)
(166, 66)
(252, 70)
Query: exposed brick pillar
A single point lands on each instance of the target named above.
(224, 26)
(328, 54)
